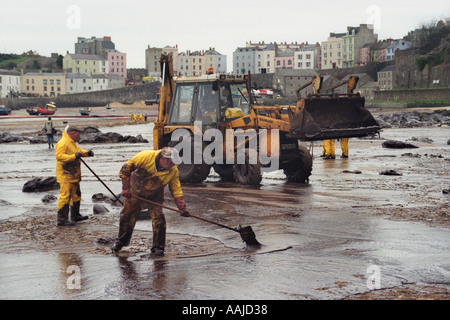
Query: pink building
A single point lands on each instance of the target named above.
(117, 62)
(364, 54)
(284, 60)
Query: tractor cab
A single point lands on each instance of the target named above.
(211, 99)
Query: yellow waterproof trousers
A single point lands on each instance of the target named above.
(69, 194)
(344, 146)
(129, 214)
(329, 147)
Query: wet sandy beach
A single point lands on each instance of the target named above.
(321, 240)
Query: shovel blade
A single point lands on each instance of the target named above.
(332, 117)
(248, 236)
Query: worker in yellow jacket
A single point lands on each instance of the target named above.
(145, 176)
(68, 174)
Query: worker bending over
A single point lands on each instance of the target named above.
(145, 176)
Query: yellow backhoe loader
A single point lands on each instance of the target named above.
(213, 122)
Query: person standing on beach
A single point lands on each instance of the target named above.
(49, 130)
(68, 174)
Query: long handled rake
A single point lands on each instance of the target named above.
(247, 234)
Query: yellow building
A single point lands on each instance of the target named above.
(43, 84)
(332, 51)
(85, 63)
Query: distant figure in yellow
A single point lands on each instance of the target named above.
(135, 118)
(141, 118)
(344, 147)
(131, 116)
(328, 148)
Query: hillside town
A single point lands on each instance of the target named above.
(418, 60)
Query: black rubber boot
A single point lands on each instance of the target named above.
(75, 213)
(117, 246)
(157, 252)
(63, 217)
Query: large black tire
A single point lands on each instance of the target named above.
(225, 171)
(191, 172)
(299, 169)
(246, 173)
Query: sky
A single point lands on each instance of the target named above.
(49, 26)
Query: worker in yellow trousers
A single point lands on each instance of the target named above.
(328, 145)
(328, 148)
(68, 174)
(344, 147)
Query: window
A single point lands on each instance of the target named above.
(182, 104)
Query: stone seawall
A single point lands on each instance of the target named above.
(413, 94)
(125, 95)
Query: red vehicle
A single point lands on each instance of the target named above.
(49, 109)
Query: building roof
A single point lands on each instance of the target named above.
(212, 52)
(297, 72)
(337, 35)
(9, 72)
(44, 74)
(71, 75)
(388, 68)
(86, 56)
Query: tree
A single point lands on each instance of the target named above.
(59, 61)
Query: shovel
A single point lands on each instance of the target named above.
(247, 234)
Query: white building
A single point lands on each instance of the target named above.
(100, 82)
(244, 60)
(216, 61)
(305, 59)
(107, 82)
(78, 83)
(197, 63)
(396, 45)
(9, 83)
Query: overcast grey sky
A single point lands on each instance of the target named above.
(53, 26)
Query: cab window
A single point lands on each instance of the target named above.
(181, 110)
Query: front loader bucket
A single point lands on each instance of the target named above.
(332, 117)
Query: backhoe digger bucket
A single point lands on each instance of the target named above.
(322, 117)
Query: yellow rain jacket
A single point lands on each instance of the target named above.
(146, 180)
(67, 167)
